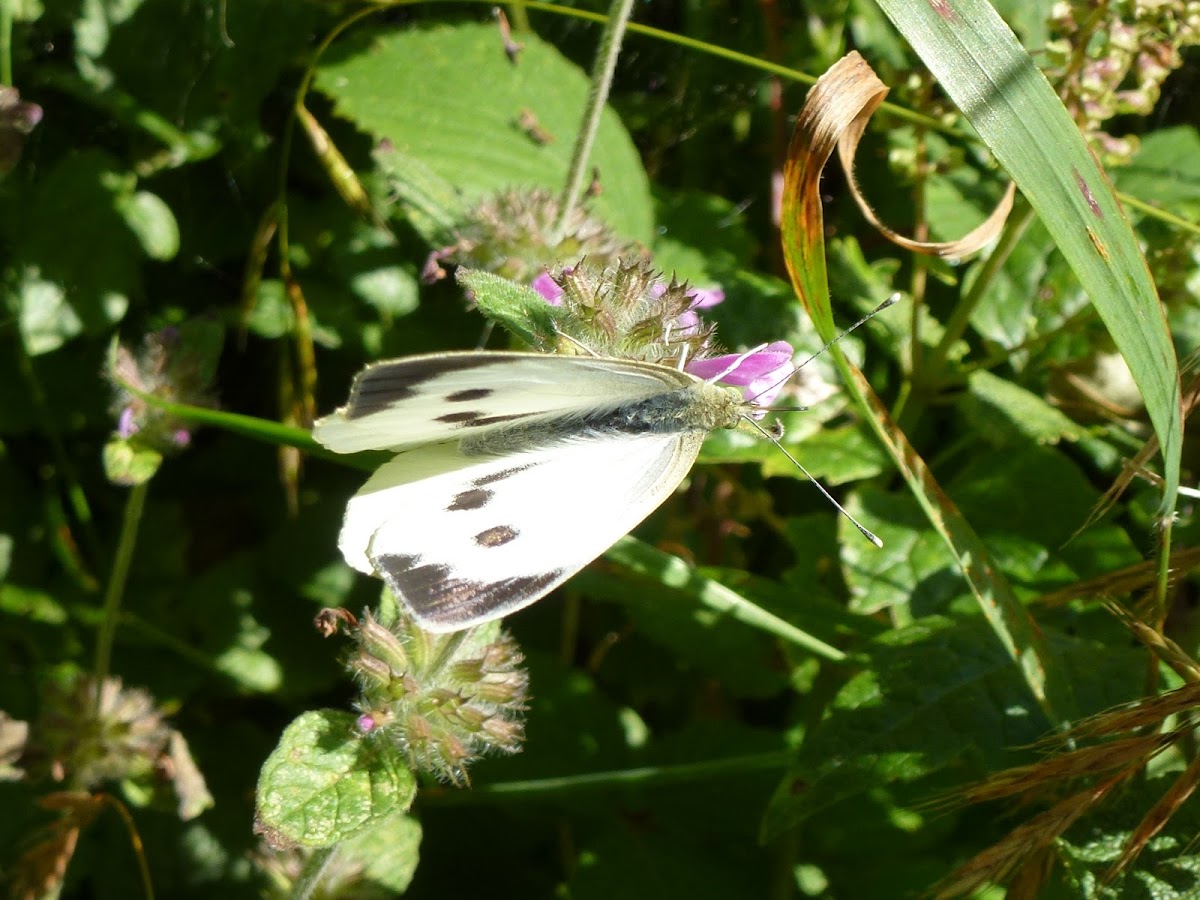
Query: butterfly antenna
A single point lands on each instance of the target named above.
(869, 535)
(890, 301)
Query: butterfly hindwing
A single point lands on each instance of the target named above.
(444, 396)
(461, 540)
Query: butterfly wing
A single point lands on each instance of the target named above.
(444, 396)
(462, 541)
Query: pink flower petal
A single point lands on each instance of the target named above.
(548, 288)
(704, 298)
(762, 374)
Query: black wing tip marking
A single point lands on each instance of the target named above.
(382, 384)
(443, 602)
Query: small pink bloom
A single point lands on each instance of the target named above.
(704, 298)
(762, 374)
(365, 723)
(127, 425)
(548, 288)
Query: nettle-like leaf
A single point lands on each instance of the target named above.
(448, 97)
(938, 694)
(325, 782)
(1026, 529)
(1167, 868)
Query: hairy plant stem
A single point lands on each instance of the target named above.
(116, 586)
(314, 870)
(602, 75)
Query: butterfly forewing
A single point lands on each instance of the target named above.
(465, 543)
(445, 396)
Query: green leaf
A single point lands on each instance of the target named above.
(672, 572)
(940, 693)
(153, 223)
(449, 98)
(1166, 869)
(833, 456)
(325, 782)
(520, 309)
(1005, 413)
(79, 261)
(388, 851)
(1166, 170)
(701, 238)
(129, 463)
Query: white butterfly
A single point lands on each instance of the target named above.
(513, 470)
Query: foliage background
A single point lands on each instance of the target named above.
(752, 765)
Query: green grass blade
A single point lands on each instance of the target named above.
(988, 74)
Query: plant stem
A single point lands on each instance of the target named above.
(314, 869)
(116, 583)
(602, 75)
(957, 324)
(6, 27)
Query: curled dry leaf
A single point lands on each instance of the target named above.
(843, 101)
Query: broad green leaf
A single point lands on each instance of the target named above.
(833, 456)
(1026, 530)
(324, 783)
(449, 98)
(1005, 413)
(79, 261)
(1168, 868)
(939, 693)
(388, 851)
(1166, 170)
(152, 221)
(979, 63)
(672, 572)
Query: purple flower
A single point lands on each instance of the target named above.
(548, 288)
(761, 374)
(703, 298)
(365, 723)
(127, 425)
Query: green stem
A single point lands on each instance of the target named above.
(957, 324)
(314, 869)
(66, 469)
(116, 582)
(647, 776)
(602, 75)
(6, 27)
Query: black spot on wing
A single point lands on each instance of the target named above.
(497, 536)
(475, 498)
(436, 597)
(385, 383)
(496, 477)
(469, 395)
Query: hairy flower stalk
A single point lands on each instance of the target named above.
(444, 700)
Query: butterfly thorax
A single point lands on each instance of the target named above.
(697, 408)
